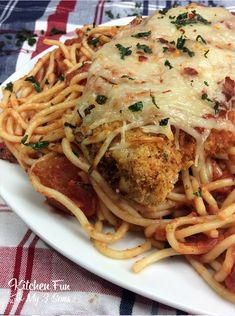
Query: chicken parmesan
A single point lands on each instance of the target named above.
(133, 128)
(162, 92)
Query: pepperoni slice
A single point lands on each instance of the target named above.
(60, 174)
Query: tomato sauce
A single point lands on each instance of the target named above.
(230, 280)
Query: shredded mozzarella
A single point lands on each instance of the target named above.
(172, 80)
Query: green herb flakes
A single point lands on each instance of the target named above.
(55, 31)
(145, 48)
(67, 124)
(205, 97)
(154, 101)
(142, 34)
(186, 18)
(180, 45)
(101, 99)
(94, 41)
(136, 107)
(25, 35)
(180, 42)
(205, 54)
(198, 193)
(201, 39)
(34, 82)
(61, 77)
(36, 146)
(164, 121)
(124, 51)
(9, 86)
(168, 64)
(216, 108)
(128, 77)
(165, 49)
(24, 139)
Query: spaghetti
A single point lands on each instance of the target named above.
(99, 139)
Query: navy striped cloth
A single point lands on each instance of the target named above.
(21, 252)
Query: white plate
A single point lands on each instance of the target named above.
(172, 282)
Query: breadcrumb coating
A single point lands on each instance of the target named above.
(148, 171)
(148, 168)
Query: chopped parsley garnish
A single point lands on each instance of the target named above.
(188, 51)
(201, 19)
(205, 97)
(205, 54)
(163, 11)
(164, 121)
(31, 41)
(25, 35)
(216, 103)
(35, 83)
(67, 124)
(128, 77)
(94, 41)
(55, 31)
(9, 86)
(200, 38)
(186, 19)
(182, 16)
(168, 64)
(180, 45)
(61, 77)
(206, 83)
(153, 100)
(124, 51)
(216, 108)
(24, 139)
(101, 99)
(136, 107)
(198, 193)
(180, 20)
(165, 49)
(180, 42)
(142, 34)
(145, 48)
(36, 146)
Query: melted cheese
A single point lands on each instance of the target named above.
(178, 95)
